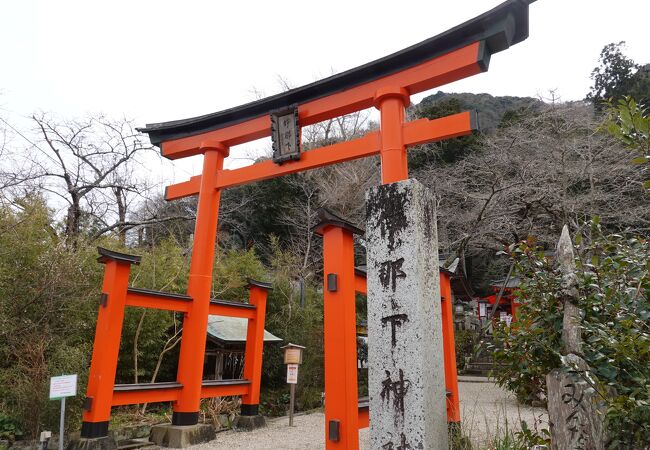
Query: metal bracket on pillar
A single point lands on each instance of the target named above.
(88, 403)
(332, 282)
(103, 299)
(334, 430)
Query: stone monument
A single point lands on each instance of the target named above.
(406, 363)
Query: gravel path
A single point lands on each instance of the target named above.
(487, 411)
(484, 409)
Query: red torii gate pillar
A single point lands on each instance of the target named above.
(391, 101)
(344, 414)
(195, 322)
(106, 347)
(253, 353)
(340, 328)
(449, 348)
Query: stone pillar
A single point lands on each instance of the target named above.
(406, 361)
(575, 410)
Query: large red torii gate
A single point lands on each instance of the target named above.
(387, 84)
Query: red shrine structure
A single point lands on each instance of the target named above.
(386, 84)
(508, 301)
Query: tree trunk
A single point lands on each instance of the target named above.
(73, 220)
(136, 338)
(121, 212)
(169, 345)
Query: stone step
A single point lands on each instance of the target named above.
(481, 363)
(479, 368)
(133, 444)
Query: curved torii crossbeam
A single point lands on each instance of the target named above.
(387, 84)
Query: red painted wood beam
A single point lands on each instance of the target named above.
(229, 310)
(224, 390)
(134, 397)
(415, 133)
(142, 298)
(364, 418)
(360, 284)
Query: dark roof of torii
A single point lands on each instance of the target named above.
(327, 217)
(497, 29)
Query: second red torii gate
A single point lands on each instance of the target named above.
(345, 412)
(387, 84)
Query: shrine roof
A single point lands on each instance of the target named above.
(233, 329)
(513, 282)
(327, 217)
(496, 30)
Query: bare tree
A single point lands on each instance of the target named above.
(338, 129)
(340, 187)
(11, 175)
(300, 217)
(95, 166)
(530, 178)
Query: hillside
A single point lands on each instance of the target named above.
(491, 108)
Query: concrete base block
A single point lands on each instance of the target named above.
(248, 423)
(102, 443)
(177, 436)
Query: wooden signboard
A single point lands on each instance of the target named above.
(293, 356)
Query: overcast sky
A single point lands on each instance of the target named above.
(164, 60)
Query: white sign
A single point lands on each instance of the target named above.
(482, 310)
(292, 373)
(63, 386)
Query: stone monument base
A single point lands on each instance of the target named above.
(248, 423)
(102, 443)
(181, 436)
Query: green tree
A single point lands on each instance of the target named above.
(617, 76)
(630, 122)
(303, 325)
(443, 152)
(48, 301)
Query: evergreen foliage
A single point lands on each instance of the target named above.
(617, 76)
(614, 295)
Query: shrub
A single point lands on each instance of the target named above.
(614, 296)
(9, 428)
(464, 341)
